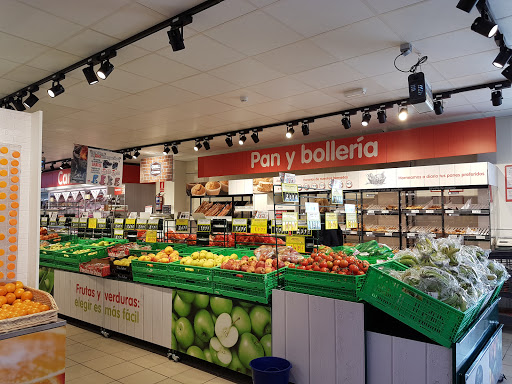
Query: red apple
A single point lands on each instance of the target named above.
(245, 258)
(260, 270)
(244, 268)
(269, 269)
(260, 264)
(251, 269)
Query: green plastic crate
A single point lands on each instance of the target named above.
(261, 282)
(343, 287)
(191, 272)
(431, 317)
(496, 292)
(68, 256)
(192, 284)
(149, 278)
(45, 258)
(249, 294)
(151, 268)
(239, 252)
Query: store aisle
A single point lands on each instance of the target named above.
(93, 359)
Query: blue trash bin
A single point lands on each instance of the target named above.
(270, 370)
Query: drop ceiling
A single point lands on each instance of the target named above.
(291, 58)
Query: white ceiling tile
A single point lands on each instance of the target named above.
(264, 33)
(155, 42)
(210, 121)
(311, 100)
(128, 82)
(246, 72)
(157, 98)
(71, 101)
(87, 43)
(338, 91)
(459, 110)
(372, 35)
(311, 18)
(81, 12)
(398, 80)
(96, 92)
(481, 78)
(296, 57)
(500, 8)
(456, 100)
(467, 65)
(442, 18)
(19, 50)
(198, 108)
(92, 117)
(237, 115)
(128, 21)
(7, 66)
(205, 85)
(261, 3)
(170, 8)
(10, 86)
(219, 14)
(390, 5)
(292, 115)
(26, 75)
(53, 60)
(127, 54)
(52, 112)
(279, 88)
(233, 98)
(488, 107)
(505, 26)
(158, 68)
(380, 62)
(22, 20)
(334, 107)
(114, 110)
(203, 53)
(328, 75)
(272, 108)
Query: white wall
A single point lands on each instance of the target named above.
(174, 191)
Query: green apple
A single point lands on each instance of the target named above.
(241, 320)
(187, 297)
(196, 352)
(208, 355)
(214, 318)
(201, 301)
(184, 333)
(246, 306)
(236, 364)
(203, 325)
(249, 348)
(225, 331)
(173, 322)
(174, 343)
(180, 307)
(220, 354)
(198, 342)
(261, 321)
(220, 305)
(266, 342)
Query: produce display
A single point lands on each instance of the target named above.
(44, 235)
(126, 262)
(167, 255)
(206, 259)
(15, 301)
(335, 262)
(458, 275)
(226, 332)
(285, 254)
(55, 247)
(251, 264)
(102, 244)
(228, 240)
(81, 251)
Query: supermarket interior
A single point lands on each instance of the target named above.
(256, 191)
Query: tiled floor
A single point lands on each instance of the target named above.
(93, 359)
(507, 354)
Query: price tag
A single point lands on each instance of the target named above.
(337, 196)
(259, 226)
(290, 221)
(452, 236)
(118, 234)
(182, 225)
(415, 211)
(277, 228)
(53, 220)
(480, 237)
(93, 223)
(351, 220)
(129, 223)
(296, 242)
(388, 234)
(74, 222)
(476, 211)
(83, 222)
(449, 211)
(102, 223)
(302, 228)
(142, 223)
(290, 193)
(204, 225)
(411, 235)
(44, 221)
(429, 211)
(239, 226)
(371, 212)
(62, 221)
(331, 220)
(353, 232)
(369, 234)
(150, 236)
(313, 221)
(119, 223)
(153, 224)
(384, 211)
(411, 214)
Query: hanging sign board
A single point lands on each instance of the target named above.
(83, 222)
(182, 225)
(259, 226)
(296, 242)
(204, 225)
(239, 226)
(151, 236)
(93, 223)
(336, 192)
(102, 223)
(331, 220)
(62, 221)
(302, 228)
(313, 221)
(153, 224)
(75, 222)
(290, 221)
(129, 223)
(104, 167)
(350, 216)
(290, 193)
(118, 234)
(118, 223)
(142, 223)
(44, 221)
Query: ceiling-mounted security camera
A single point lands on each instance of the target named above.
(244, 99)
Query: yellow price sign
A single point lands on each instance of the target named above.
(331, 220)
(182, 225)
(129, 223)
(297, 242)
(150, 236)
(351, 220)
(259, 226)
(93, 223)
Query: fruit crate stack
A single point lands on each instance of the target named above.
(70, 259)
(150, 272)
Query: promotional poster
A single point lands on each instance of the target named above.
(104, 168)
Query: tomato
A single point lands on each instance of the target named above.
(291, 265)
(336, 263)
(304, 263)
(351, 259)
(323, 264)
(310, 260)
(360, 273)
(342, 272)
(334, 272)
(324, 270)
(316, 268)
(336, 268)
(365, 266)
(322, 255)
(329, 264)
(353, 268)
(343, 264)
(309, 267)
(329, 258)
(318, 259)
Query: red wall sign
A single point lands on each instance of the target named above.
(444, 140)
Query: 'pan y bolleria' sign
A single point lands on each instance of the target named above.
(445, 140)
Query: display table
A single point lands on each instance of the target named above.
(34, 354)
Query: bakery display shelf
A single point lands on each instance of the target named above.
(371, 211)
(381, 234)
(467, 212)
(412, 212)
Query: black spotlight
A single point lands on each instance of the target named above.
(56, 89)
(18, 103)
(7, 104)
(174, 148)
(466, 5)
(366, 119)
(52, 167)
(242, 139)
(105, 69)
(255, 137)
(206, 144)
(496, 98)
(136, 154)
(197, 146)
(127, 156)
(289, 131)
(484, 27)
(503, 57)
(61, 166)
(381, 116)
(229, 141)
(507, 72)
(32, 99)
(346, 122)
(176, 39)
(89, 74)
(305, 128)
(166, 150)
(438, 107)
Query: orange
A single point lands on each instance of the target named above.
(4, 150)
(3, 300)
(14, 171)
(10, 287)
(14, 188)
(4, 161)
(6, 306)
(13, 196)
(31, 311)
(3, 292)
(19, 284)
(2, 207)
(27, 295)
(2, 252)
(3, 184)
(3, 172)
(15, 179)
(2, 219)
(12, 231)
(1, 263)
(11, 266)
(13, 213)
(12, 239)
(10, 298)
(17, 303)
(2, 195)
(15, 154)
(14, 205)
(44, 307)
(13, 248)
(12, 222)
(11, 275)
(23, 312)
(19, 292)
(11, 258)
(15, 163)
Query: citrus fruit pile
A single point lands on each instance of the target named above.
(16, 301)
